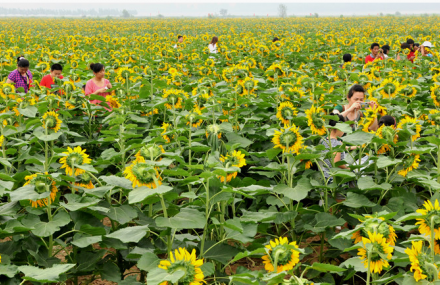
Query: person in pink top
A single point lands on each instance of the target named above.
(98, 84)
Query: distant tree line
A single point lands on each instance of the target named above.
(62, 12)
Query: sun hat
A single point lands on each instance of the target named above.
(427, 44)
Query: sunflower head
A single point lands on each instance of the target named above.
(288, 139)
(281, 252)
(42, 184)
(316, 121)
(151, 151)
(187, 262)
(74, 156)
(286, 112)
(430, 212)
(50, 121)
(143, 174)
(380, 252)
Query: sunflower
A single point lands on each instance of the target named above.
(172, 71)
(292, 93)
(43, 184)
(364, 80)
(419, 260)
(275, 71)
(43, 67)
(235, 159)
(368, 119)
(390, 88)
(2, 139)
(375, 224)
(315, 121)
(381, 252)
(425, 222)
(435, 94)
(74, 156)
(388, 133)
(68, 86)
(249, 85)
(408, 91)
(436, 77)
(85, 181)
(50, 120)
(288, 139)
(410, 123)
(165, 127)
(149, 152)
(191, 117)
(286, 112)
(6, 90)
(174, 98)
(186, 262)
(410, 163)
(375, 72)
(213, 129)
(283, 253)
(114, 103)
(142, 174)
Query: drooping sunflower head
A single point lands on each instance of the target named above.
(420, 258)
(191, 117)
(283, 253)
(380, 252)
(43, 184)
(430, 212)
(286, 112)
(435, 94)
(235, 159)
(150, 151)
(113, 101)
(315, 120)
(68, 86)
(390, 88)
(143, 174)
(187, 262)
(174, 98)
(288, 139)
(76, 156)
(408, 91)
(412, 125)
(50, 120)
(375, 224)
(410, 163)
(7, 89)
(166, 128)
(85, 181)
(249, 84)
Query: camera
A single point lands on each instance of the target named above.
(364, 104)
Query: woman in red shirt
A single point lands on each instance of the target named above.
(55, 72)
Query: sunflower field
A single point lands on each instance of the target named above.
(206, 169)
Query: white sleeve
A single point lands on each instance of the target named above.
(212, 48)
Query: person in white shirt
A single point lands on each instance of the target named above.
(386, 49)
(213, 45)
(179, 40)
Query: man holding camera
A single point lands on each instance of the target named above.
(55, 72)
(376, 52)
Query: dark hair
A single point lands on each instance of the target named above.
(56, 66)
(404, 46)
(417, 44)
(387, 120)
(214, 40)
(346, 57)
(355, 88)
(275, 39)
(333, 122)
(374, 45)
(96, 67)
(178, 37)
(22, 62)
(410, 41)
(386, 49)
(84, 87)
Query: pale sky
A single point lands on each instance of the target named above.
(244, 9)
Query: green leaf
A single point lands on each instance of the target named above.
(122, 214)
(140, 194)
(354, 262)
(367, 183)
(30, 111)
(299, 192)
(76, 202)
(233, 138)
(358, 138)
(130, 234)
(357, 201)
(45, 275)
(109, 153)
(259, 252)
(5, 162)
(82, 241)
(159, 275)
(385, 161)
(8, 270)
(43, 229)
(148, 261)
(47, 138)
(186, 219)
(86, 167)
(220, 252)
(326, 267)
(117, 181)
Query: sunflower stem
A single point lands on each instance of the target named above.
(205, 230)
(368, 267)
(438, 163)
(432, 238)
(49, 218)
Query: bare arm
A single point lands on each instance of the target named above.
(337, 159)
(9, 81)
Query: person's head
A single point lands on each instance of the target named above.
(275, 39)
(404, 46)
(98, 69)
(410, 42)
(56, 70)
(347, 57)
(180, 39)
(356, 94)
(333, 123)
(374, 48)
(214, 40)
(22, 65)
(388, 121)
(386, 49)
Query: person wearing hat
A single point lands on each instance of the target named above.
(424, 50)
